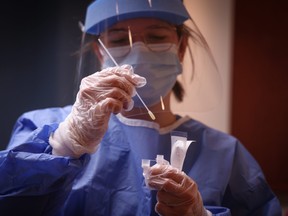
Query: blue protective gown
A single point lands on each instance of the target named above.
(110, 181)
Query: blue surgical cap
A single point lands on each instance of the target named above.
(102, 14)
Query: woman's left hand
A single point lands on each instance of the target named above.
(177, 193)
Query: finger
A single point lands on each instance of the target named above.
(175, 199)
(159, 169)
(127, 72)
(167, 198)
(169, 172)
(171, 181)
(162, 209)
(111, 105)
(175, 174)
(136, 80)
(120, 82)
(93, 96)
(156, 176)
(179, 184)
(98, 83)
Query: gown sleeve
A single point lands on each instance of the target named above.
(237, 185)
(33, 181)
(248, 192)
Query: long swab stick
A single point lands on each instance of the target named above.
(152, 116)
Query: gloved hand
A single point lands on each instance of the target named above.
(177, 193)
(100, 94)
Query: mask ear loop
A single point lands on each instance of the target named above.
(161, 97)
(162, 103)
(130, 37)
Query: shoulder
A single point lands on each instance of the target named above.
(208, 136)
(225, 147)
(46, 115)
(37, 124)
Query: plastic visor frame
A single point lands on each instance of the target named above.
(102, 14)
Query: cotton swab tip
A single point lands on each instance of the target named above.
(152, 116)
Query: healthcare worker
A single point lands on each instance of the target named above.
(85, 159)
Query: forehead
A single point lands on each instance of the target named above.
(139, 24)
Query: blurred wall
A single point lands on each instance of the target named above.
(215, 21)
(260, 86)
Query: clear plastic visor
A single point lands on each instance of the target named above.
(199, 76)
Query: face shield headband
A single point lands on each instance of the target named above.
(101, 14)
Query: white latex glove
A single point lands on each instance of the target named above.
(177, 193)
(100, 94)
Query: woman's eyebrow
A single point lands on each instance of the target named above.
(158, 26)
(151, 27)
(117, 29)
(161, 26)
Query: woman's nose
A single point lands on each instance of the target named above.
(137, 38)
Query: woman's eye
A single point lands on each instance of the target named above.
(156, 38)
(119, 41)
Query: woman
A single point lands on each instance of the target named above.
(85, 159)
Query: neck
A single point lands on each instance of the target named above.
(162, 117)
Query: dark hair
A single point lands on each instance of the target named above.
(196, 37)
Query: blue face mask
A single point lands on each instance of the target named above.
(159, 68)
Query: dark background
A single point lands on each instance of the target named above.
(260, 87)
(37, 67)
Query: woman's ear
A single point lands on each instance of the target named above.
(182, 46)
(97, 52)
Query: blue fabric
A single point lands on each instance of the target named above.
(97, 19)
(110, 182)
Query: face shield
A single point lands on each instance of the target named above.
(197, 73)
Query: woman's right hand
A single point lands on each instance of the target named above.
(177, 193)
(100, 94)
